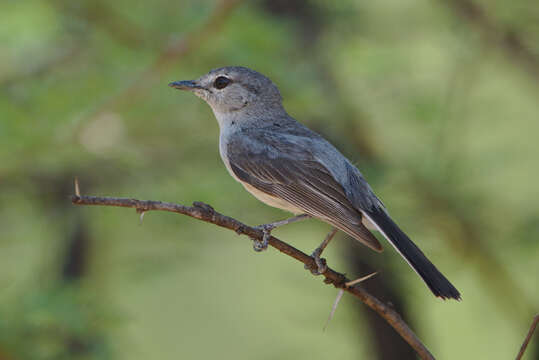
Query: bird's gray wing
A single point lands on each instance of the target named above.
(283, 166)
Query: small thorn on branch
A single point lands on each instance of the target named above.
(77, 187)
(357, 281)
(341, 293)
(142, 212)
(334, 307)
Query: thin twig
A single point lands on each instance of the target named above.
(528, 337)
(206, 213)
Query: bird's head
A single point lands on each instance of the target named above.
(232, 89)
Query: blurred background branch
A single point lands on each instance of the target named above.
(511, 42)
(528, 337)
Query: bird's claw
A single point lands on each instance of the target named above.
(259, 246)
(263, 245)
(321, 266)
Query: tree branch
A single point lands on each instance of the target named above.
(206, 213)
(528, 337)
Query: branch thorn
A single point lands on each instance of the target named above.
(77, 188)
(142, 212)
(361, 279)
(334, 307)
(341, 293)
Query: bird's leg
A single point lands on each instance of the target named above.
(321, 263)
(267, 228)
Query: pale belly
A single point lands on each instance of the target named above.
(271, 200)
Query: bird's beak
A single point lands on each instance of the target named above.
(185, 85)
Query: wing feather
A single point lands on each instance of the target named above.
(298, 178)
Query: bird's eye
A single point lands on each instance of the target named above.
(221, 82)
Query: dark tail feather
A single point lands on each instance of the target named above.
(434, 279)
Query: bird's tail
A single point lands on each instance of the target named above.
(434, 279)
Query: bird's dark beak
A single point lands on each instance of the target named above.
(185, 85)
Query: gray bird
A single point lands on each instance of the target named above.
(286, 165)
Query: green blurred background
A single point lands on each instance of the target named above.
(437, 103)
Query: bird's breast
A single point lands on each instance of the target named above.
(223, 143)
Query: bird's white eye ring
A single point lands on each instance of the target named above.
(221, 82)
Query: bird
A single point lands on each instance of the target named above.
(286, 165)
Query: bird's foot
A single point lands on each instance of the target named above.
(267, 228)
(263, 245)
(321, 265)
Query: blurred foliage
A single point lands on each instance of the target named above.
(433, 101)
(58, 323)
